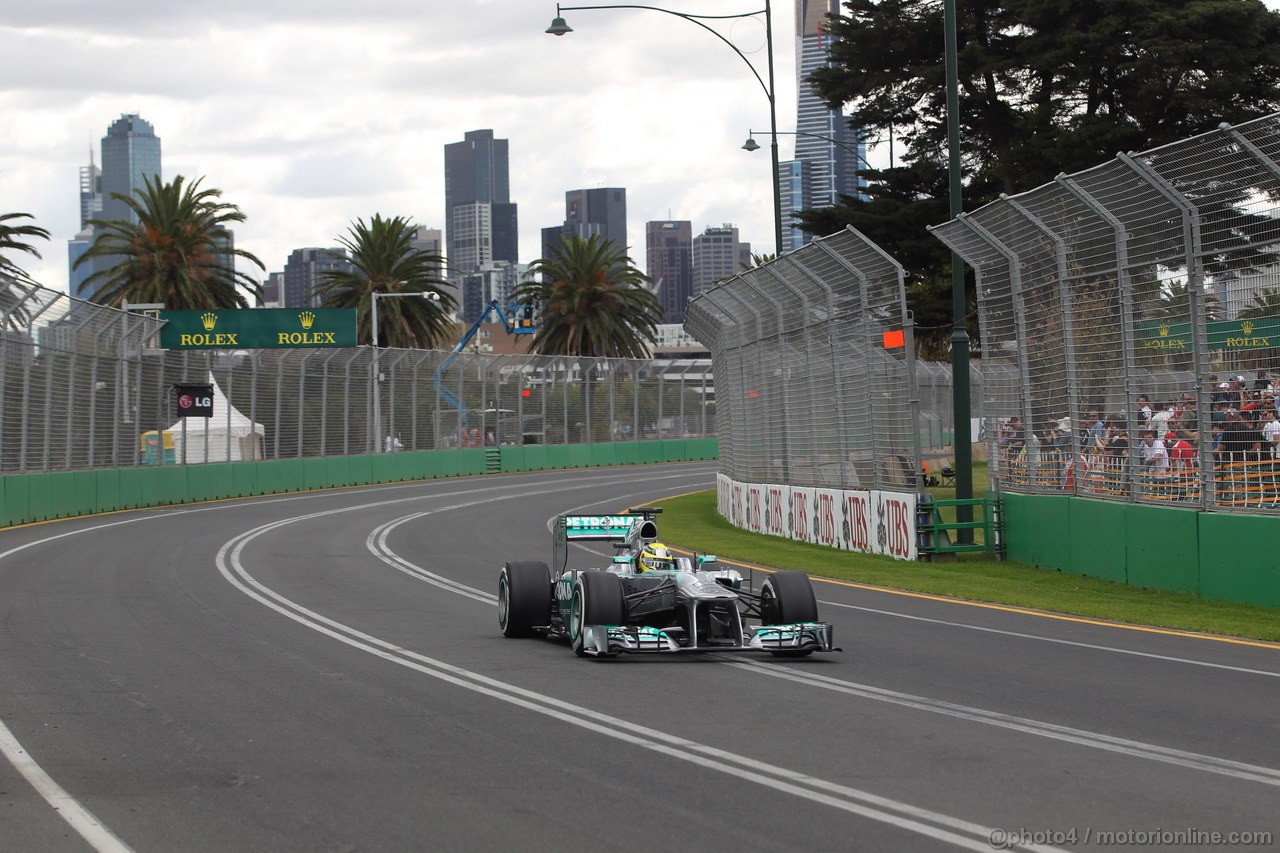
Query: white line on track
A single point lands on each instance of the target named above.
(1082, 737)
(93, 831)
(81, 819)
(936, 825)
(1024, 636)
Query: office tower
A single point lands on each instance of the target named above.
(496, 280)
(303, 275)
(717, 255)
(481, 222)
(823, 170)
(601, 211)
(130, 155)
(273, 290)
(669, 263)
(90, 191)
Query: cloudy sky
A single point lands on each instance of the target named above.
(310, 113)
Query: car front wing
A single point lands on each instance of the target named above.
(797, 637)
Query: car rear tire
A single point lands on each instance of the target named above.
(785, 599)
(524, 598)
(597, 600)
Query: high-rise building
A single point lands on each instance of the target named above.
(717, 255)
(481, 222)
(601, 211)
(824, 168)
(303, 275)
(495, 280)
(130, 155)
(669, 263)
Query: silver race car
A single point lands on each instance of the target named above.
(647, 600)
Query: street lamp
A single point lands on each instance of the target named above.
(559, 27)
(377, 352)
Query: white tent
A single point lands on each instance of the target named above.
(228, 436)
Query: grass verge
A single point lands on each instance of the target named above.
(691, 521)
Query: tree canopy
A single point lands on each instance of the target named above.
(178, 252)
(16, 237)
(591, 301)
(1045, 87)
(384, 260)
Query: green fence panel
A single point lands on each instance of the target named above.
(650, 452)
(626, 453)
(326, 472)
(83, 498)
(1038, 529)
(535, 457)
(1237, 561)
(1102, 553)
(134, 487)
(702, 448)
(580, 455)
(673, 450)
(41, 497)
(212, 481)
(108, 489)
(281, 475)
(17, 499)
(166, 486)
(1164, 547)
(244, 479)
(512, 459)
(558, 456)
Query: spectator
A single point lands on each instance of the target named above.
(1182, 455)
(1144, 410)
(1271, 436)
(1155, 458)
(1237, 439)
(392, 444)
(1062, 437)
(1159, 422)
(1117, 453)
(1260, 382)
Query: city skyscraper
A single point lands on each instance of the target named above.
(302, 275)
(822, 170)
(669, 263)
(481, 222)
(602, 211)
(130, 155)
(718, 254)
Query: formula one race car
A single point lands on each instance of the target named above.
(651, 601)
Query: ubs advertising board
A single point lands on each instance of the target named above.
(258, 328)
(872, 522)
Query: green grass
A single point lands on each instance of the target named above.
(691, 522)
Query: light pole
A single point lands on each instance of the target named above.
(752, 145)
(377, 352)
(559, 27)
(963, 434)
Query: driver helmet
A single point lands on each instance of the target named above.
(656, 556)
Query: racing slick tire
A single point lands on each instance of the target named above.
(597, 600)
(524, 598)
(786, 598)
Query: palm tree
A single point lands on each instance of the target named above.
(1264, 304)
(12, 237)
(383, 260)
(177, 253)
(593, 302)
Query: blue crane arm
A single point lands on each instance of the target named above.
(517, 320)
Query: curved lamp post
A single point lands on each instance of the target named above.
(377, 352)
(559, 27)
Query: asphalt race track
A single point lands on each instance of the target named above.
(324, 672)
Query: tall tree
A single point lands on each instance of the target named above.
(15, 237)
(1046, 87)
(591, 301)
(178, 252)
(384, 260)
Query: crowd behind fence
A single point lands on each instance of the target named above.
(1138, 306)
(84, 386)
(815, 369)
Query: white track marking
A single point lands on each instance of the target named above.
(1024, 636)
(1082, 737)
(81, 819)
(925, 822)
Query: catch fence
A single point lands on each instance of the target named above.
(815, 369)
(1138, 305)
(83, 386)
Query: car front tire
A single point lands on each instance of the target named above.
(524, 598)
(597, 600)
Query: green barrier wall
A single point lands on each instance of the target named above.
(28, 498)
(1182, 550)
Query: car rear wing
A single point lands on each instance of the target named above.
(630, 529)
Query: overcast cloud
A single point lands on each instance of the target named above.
(310, 114)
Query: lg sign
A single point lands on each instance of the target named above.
(194, 401)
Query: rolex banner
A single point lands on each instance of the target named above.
(258, 328)
(873, 522)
